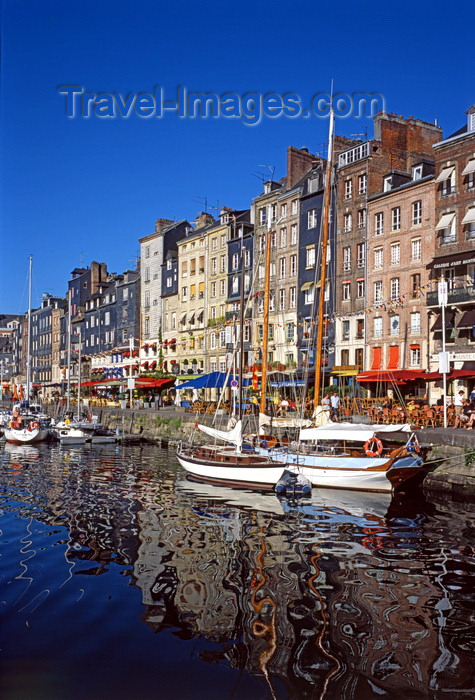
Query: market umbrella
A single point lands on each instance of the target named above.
(212, 380)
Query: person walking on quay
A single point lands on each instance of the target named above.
(335, 405)
(326, 404)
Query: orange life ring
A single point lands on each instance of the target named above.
(373, 447)
(34, 425)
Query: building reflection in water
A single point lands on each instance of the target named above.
(346, 596)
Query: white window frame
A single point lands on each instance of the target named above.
(378, 327)
(395, 288)
(293, 265)
(362, 183)
(378, 258)
(310, 256)
(378, 291)
(360, 255)
(415, 357)
(396, 219)
(312, 218)
(282, 293)
(417, 212)
(346, 258)
(361, 218)
(395, 253)
(415, 323)
(293, 234)
(292, 297)
(416, 250)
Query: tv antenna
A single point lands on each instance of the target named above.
(204, 202)
(271, 168)
(364, 134)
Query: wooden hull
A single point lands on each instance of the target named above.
(225, 466)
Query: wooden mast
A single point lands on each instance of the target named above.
(323, 267)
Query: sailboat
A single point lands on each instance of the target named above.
(26, 426)
(231, 464)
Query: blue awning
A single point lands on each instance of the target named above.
(212, 380)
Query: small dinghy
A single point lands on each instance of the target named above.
(293, 485)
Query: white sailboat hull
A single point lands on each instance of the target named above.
(226, 466)
(24, 436)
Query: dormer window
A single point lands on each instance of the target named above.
(417, 172)
(471, 119)
(387, 183)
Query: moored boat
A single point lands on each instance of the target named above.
(229, 464)
(353, 456)
(25, 429)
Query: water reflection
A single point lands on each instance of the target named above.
(344, 596)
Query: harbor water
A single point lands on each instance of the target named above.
(119, 578)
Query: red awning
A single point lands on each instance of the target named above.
(155, 383)
(396, 376)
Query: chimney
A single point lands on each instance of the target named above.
(162, 224)
(203, 219)
(299, 162)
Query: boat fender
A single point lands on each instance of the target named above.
(413, 446)
(67, 421)
(373, 447)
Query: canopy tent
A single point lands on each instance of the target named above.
(350, 431)
(453, 374)
(212, 380)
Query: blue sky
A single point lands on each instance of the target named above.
(76, 189)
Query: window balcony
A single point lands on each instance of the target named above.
(455, 296)
(446, 191)
(447, 240)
